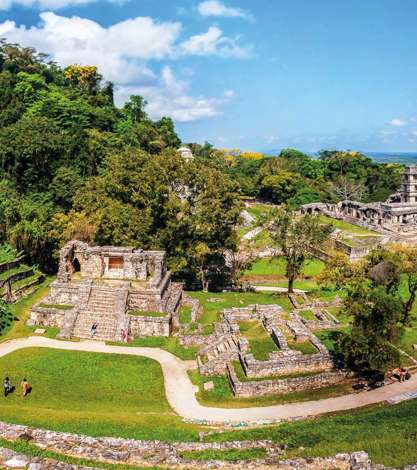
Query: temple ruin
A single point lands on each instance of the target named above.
(398, 215)
(117, 288)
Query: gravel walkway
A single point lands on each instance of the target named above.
(180, 391)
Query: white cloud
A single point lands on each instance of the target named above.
(414, 133)
(122, 53)
(271, 139)
(49, 4)
(398, 122)
(169, 97)
(119, 51)
(216, 8)
(213, 42)
(230, 93)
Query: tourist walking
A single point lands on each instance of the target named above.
(123, 335)
(25, 387)
(94, 329)
(7, 387)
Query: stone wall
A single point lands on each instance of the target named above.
(143, 326)
(188, 301)
(50, 317)
(156, 453)
(11, 264)
(285, 364)
(63, 293)
(288, 385)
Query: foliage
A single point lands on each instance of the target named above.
(296, 236)
(376, 325)
(6, 316)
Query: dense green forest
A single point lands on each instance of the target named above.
(73, 165)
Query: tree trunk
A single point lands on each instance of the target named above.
(204, 282)
(291, 285)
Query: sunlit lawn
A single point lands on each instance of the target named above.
(91, 393)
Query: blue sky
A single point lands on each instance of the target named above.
(258, 75)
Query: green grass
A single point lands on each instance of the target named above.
(277, 266)
(307, 314)
(92, 394)
(31, 450)
(346, 226)
(185, 315)
(222, 397)
(259, 211)
(327, 337)
(21, 310)
(18, 269)
(387, 433)
(211, 310)
(260, 341)
(170, 344)
(57, 306)
(146, 313)
(305, 347)
(21, 283)
(231, 455)
(408, 339)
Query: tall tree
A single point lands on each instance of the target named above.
(296, 237)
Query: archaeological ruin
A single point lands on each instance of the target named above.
(118, 289)
(287, 369)
(396, 216)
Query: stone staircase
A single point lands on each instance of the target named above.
(104, 308)
(218, 353)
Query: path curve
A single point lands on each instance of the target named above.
(180, 391)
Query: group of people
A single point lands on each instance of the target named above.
(123, 333)
(8, 388)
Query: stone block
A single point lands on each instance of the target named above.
(208, 386)
(40, 331)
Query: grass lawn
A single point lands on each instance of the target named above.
(170, 344)
(327, 337)
(307, 314)
(259, 210)
(387, 433)
(231, 455)
(92, 394)
(21, 310)
(185, 315)
(222, 397)
(260, 342)
(214, 302)
(346, 226)
(305, 347)
(276, 267)
(18, 269)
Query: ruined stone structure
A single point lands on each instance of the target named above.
(186, 153)
(113, 287)
(227, 346)
(397, 215)
(145, 454)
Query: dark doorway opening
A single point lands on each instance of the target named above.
(76, 265)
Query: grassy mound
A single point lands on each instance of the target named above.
(90, 393)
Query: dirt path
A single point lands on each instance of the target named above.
(180, 391)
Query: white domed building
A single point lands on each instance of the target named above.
(186, 153)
